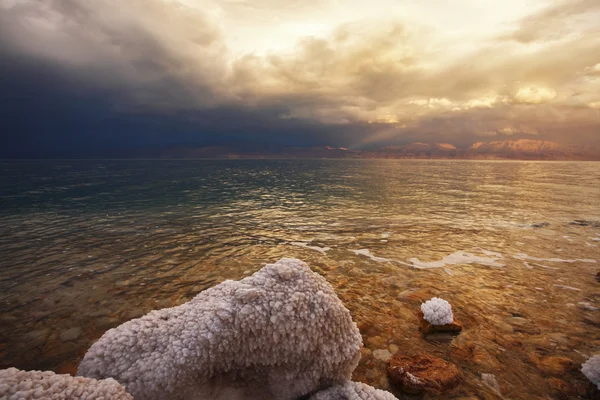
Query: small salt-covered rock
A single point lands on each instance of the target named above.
(437, 311)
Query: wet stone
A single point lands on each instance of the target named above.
(99, 313)
(8, 319)
(504, 327)
(373, 375)
(365, 352)
(377, 341)
(368, 328)
(384, 383)
(106, 323)
(60, 351)
(423, 374)
(592, 319)
(559, 388)
(382, 355)
(555, 366)
(70, 334)
(36, 338)
(135, 313)
(520, 324)
(415, 295)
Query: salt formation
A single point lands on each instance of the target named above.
(591, 369)
(353, 391)
(281, 333)
(437, 311)
(31, 385)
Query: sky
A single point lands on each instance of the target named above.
(86, 77)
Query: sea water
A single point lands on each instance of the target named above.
(513, 246)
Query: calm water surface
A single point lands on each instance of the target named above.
(514, 246)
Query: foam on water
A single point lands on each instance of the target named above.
(459, 257)
(367, 253)
(491, 253)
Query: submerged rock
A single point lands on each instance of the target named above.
(36, 338)
(279, 334)
(382, 354)
(423, 374)
(427, 328)
(560, 389)
(555, 366)
(70, 334)
(523, 325)
(32, 385)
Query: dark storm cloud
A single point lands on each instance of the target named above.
(148, 53)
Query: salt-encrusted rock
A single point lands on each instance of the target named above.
(280, 333)
(353, 391)
(437, 311)
(591, 369)
(435, 316)
(423, 373)
(31, 385)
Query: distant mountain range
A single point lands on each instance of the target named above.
(523, 149)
